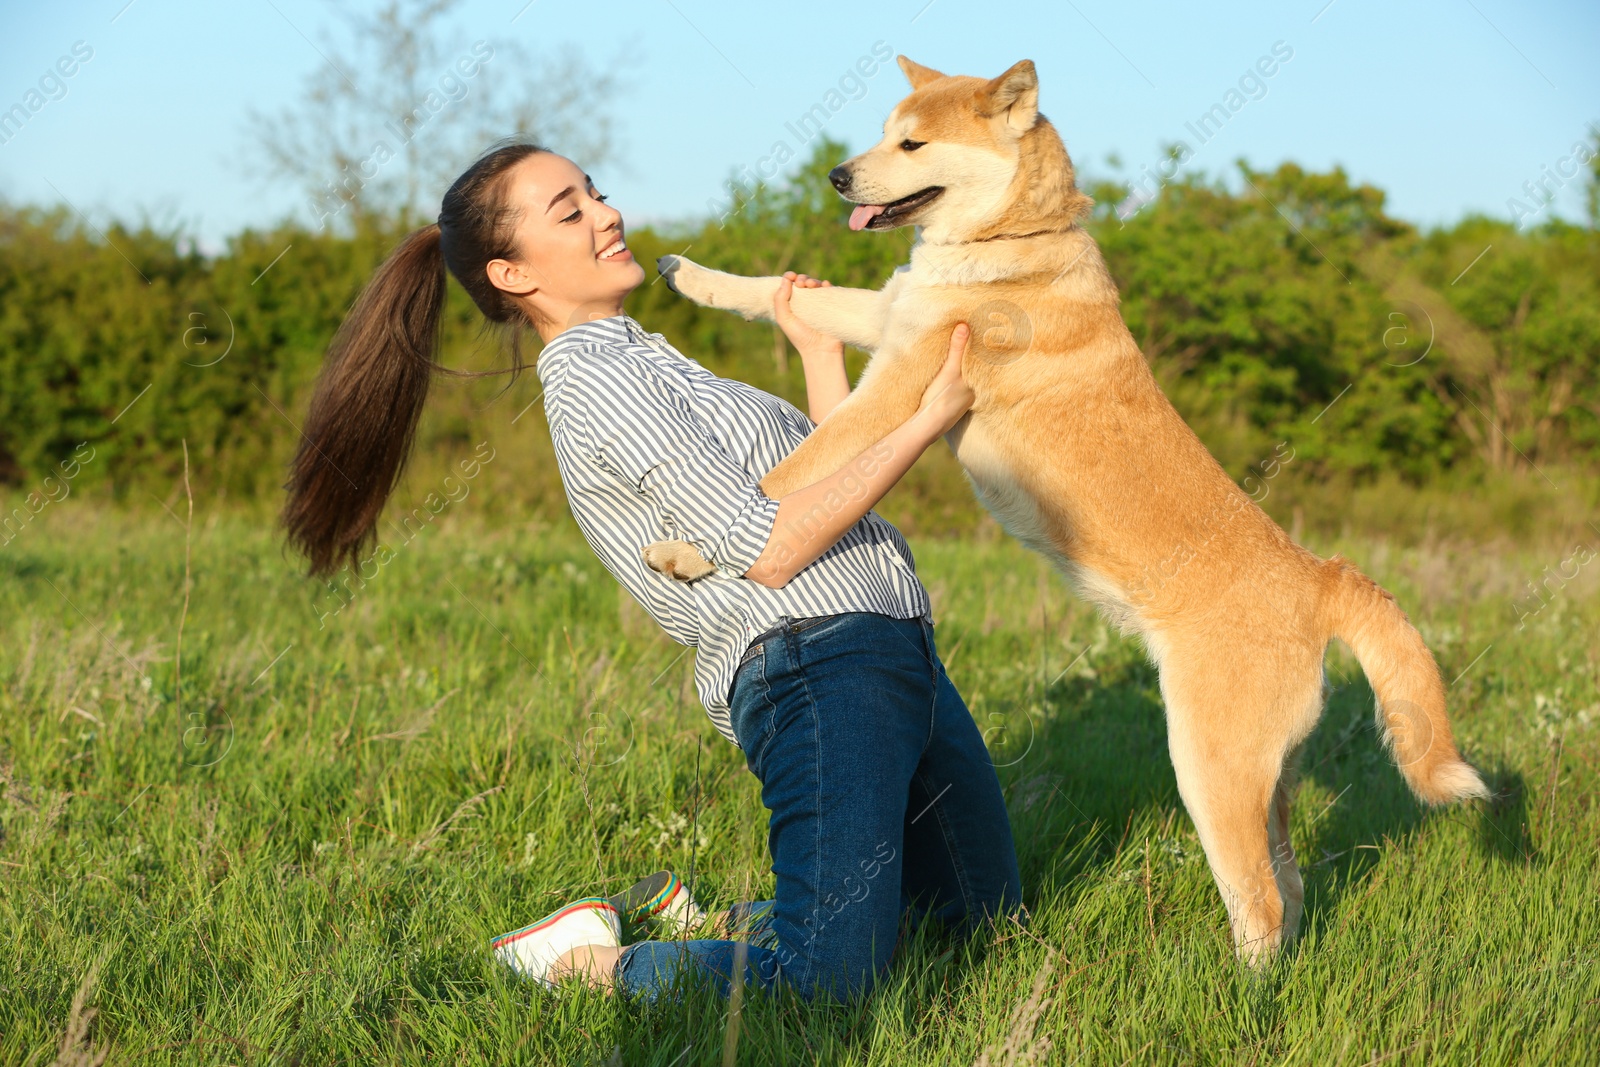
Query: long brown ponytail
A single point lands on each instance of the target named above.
(369, 396)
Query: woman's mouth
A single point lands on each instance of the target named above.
(616, 250)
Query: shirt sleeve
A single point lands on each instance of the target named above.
(645, 431)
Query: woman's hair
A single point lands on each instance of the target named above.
(367, 401)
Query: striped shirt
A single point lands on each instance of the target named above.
(654, 447)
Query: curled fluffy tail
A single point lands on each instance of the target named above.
(1406, 680)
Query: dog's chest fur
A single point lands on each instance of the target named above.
(1000, 490)
(922, 292)
(983, 446)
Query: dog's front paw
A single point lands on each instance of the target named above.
(678, 560)
(687, 278)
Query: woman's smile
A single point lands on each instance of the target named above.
(617, 250)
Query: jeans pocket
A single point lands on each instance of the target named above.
(801, 625)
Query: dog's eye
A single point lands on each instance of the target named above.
(911, 146)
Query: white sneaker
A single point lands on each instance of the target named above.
(533, 950)
(664, 898)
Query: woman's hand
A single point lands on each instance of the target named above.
(948, 396)
(811, 344)
(821, 356)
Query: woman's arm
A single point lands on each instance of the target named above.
(821, 356)
(810, 521)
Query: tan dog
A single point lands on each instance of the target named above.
(1074, 448)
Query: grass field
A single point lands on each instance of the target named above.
(303, 858)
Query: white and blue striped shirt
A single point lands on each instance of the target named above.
(654, 447)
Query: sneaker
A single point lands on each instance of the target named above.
(533, 950)
(661, 897)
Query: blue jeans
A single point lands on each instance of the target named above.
(883, 802)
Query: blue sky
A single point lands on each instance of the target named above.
(1448, 105)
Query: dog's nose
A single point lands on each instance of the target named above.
(840, 178)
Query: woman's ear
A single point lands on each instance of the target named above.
(511, 276)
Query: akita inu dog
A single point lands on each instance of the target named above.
(1074, 448)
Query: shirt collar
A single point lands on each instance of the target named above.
(614, 329)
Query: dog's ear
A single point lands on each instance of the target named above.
(917, 74)
(1015, 94)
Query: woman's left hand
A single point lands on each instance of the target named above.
(808, 342)
(949, 397)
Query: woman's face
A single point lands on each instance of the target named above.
(574, 264)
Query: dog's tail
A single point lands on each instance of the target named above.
(1406, 679)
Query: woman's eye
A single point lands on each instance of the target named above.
(601, 197)
(911, 146)
(574, 217)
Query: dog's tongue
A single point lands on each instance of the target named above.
(862, 214)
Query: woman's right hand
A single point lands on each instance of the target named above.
(948, 396)
(811, 344)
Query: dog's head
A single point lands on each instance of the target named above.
(964, 158)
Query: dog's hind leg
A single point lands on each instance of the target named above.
(1230, 739)
(1227, 798)
(1285, 872)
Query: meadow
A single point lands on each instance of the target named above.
(239, 827)
(250, 818)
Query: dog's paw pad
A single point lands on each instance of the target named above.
(687, 278)
(667, 267)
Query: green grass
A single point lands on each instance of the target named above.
(304, 863)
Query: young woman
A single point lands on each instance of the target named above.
(815, 649)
